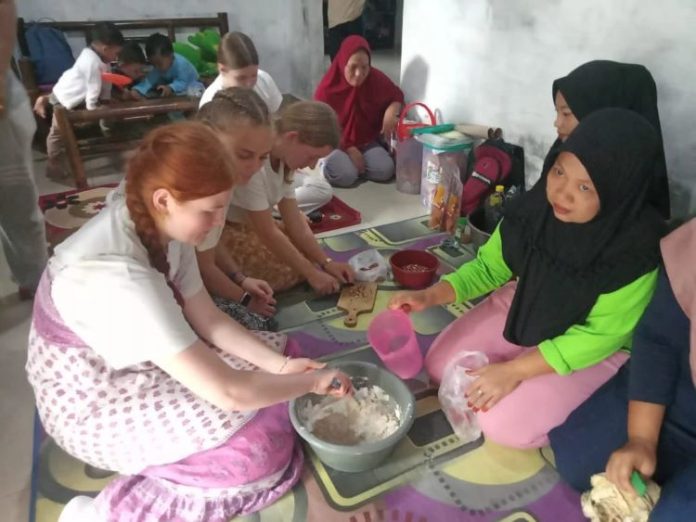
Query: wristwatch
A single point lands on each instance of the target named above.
(326, 262)
(245, 300)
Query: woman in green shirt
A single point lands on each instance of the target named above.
(581, 249)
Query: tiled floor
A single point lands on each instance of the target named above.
(378, 203)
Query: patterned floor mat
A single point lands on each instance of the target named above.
(431, 476)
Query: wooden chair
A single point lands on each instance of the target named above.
(69, 121)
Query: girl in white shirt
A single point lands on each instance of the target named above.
(134, 368)
(241, 119)
(82, 83)
(285, 253)
(238, 64)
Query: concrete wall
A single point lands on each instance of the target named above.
(287, 33)
(493, 62)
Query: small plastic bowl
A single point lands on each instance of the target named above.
(414, 279)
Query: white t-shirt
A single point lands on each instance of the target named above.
(265, 190)
(83, 82)
(107, 292)
(265, 87)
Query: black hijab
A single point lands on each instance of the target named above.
(564, 267)
(602, 83)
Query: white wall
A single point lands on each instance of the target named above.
(493, 62)
(287, 33)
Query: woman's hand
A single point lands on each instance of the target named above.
(332, 382)
(638, 455)
(410, 301)
(389, 124)
(301, 365)
(323, 283)
(261, 306)
(357, 158)
(341, 271)
(258, 288)
(494, 382)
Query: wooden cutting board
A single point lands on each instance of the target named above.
(356, 299)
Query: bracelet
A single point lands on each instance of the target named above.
(285, 363)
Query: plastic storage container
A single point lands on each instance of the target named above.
(440, 151)
(409, 151)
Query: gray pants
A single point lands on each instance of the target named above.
(340, 171)
(54, 141)
(21, 222)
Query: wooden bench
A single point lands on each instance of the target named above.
(70, 120)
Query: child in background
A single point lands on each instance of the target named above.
(131, 63)
(172, 74)
(82, 83)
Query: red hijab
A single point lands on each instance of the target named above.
(360, 109)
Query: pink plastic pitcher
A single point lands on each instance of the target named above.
(392, 336)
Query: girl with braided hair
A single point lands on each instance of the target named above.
(135, 369)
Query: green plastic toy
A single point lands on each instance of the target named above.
(194, 55)
(208, 42)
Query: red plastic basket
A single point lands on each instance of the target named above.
(403, 129)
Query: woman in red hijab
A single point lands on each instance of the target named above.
(367, 104)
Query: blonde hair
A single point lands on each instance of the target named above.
(232, 105)
(315, 123)
(237, 51)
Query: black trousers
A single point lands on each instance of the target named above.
(339, 32)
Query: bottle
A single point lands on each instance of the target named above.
(493, 208)
(464, 231)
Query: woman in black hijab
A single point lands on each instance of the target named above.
(583, 246)
(600, 84)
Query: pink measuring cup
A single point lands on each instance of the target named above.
(392, 336)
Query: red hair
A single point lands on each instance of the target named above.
(188, 160)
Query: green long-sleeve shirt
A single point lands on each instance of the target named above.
(608, 327)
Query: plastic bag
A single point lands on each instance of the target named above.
(446, 202)
(455, 383)
(369, 266)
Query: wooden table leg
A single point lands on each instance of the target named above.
(71, 148)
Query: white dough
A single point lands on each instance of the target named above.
(369, 416)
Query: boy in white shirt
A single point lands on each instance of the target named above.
(82, 83)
